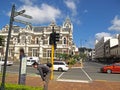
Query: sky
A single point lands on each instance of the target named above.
(91, 19)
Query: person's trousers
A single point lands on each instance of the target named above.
(46, 81)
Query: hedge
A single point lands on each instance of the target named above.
(21, 87)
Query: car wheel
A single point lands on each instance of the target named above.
(109, 71)
(60, 69)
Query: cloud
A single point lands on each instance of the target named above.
(115, 24)
(98, 36)
(71, 5)
(41, 15)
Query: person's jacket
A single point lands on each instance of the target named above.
(43, 70)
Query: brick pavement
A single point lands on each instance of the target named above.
(57, 85)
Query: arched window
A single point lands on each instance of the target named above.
(36, 40)
(29, 39)
(64, 40)
(14, 40)
(23, 39)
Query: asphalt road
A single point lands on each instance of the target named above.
(90, 72)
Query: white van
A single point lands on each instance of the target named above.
(31, 60)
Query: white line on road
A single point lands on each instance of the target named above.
(69, 80)
(60, 75)
(86, 74)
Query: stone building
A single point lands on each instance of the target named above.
(35, 40)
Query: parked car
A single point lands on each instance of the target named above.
(113, 68)
(9, 63)
(31, 60)
(60, 66)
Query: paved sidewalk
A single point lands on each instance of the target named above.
(36, 81)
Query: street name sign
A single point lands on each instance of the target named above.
(24, 22)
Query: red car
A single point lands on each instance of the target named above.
(113, 68)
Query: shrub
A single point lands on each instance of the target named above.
(72, 61)
(21, 87)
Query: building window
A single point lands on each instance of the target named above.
(29, 39)
(14, 40)
(34, 52)
(64, 41)
(48, 53)
(23, 39)
(36, 40)
(64, 51)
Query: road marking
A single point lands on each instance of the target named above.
(69, 80)
(87, 74)
(60, 75)
(101, 80)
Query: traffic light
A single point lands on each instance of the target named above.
(51, 39)
(54, 37)
(57, 36)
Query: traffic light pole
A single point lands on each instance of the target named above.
(52, 57)
(52, 60)
(6, 54)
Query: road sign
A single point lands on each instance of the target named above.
(19, 13)
(27, 16)
(24, 22)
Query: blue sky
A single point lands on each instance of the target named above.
(92, 19)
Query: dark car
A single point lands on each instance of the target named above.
(113, 68)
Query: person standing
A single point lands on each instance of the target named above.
(44, 71)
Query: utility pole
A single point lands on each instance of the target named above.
(12, 19)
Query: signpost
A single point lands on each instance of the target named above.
(16, 20)
(13, 15)
(26, 16)
(18, 13)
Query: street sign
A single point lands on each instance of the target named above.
(27, 16)
(19, 13)
(24, 22)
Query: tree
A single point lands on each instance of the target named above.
(63, 56)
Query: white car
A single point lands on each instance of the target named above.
(31, 60)
(9, 63)
(60, 66)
